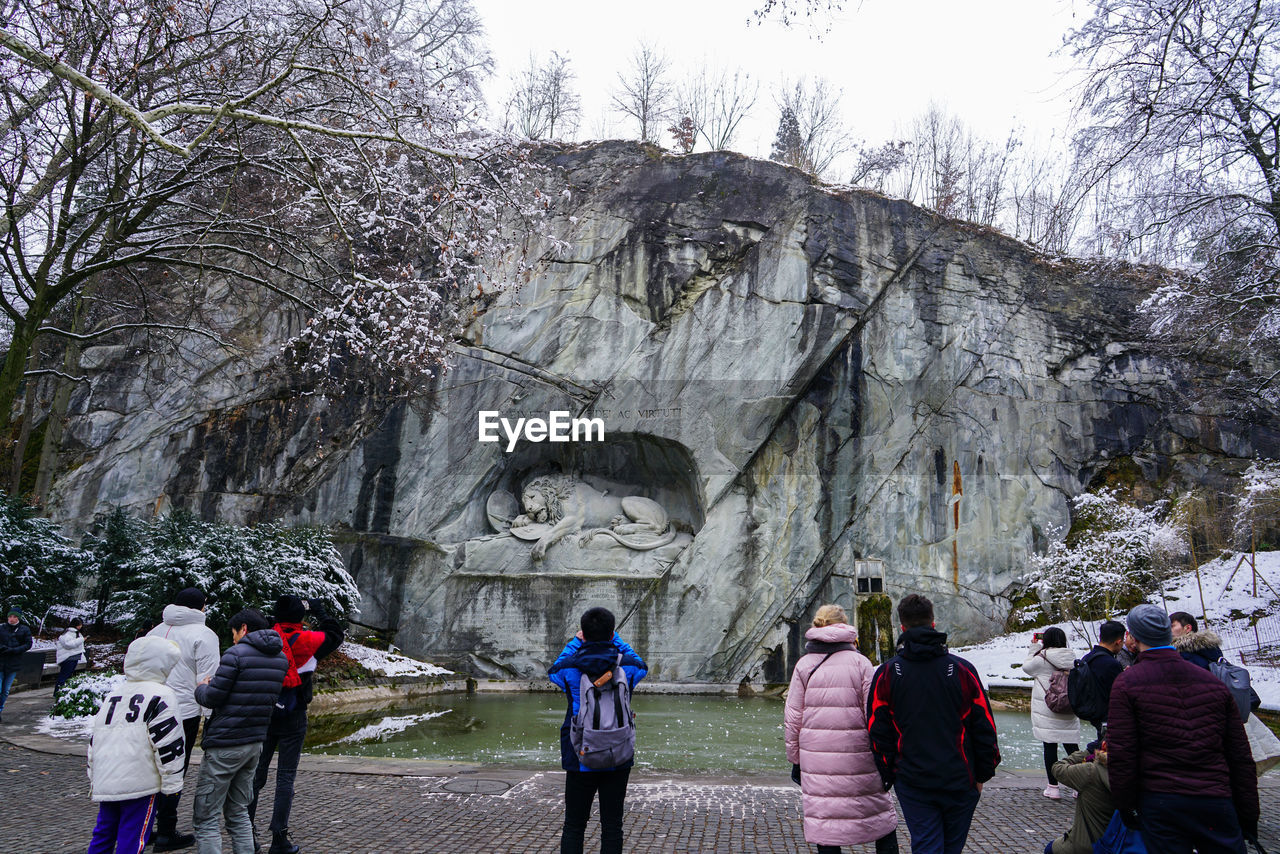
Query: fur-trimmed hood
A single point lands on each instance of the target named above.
(1200, 641)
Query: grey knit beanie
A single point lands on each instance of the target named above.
(1150, 625)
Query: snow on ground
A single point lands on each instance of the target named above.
(387, 727)
(75, 729)
(390, 664)
(1227, 603)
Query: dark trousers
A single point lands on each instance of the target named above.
(167, 805)
(887, 844)
(286, 735)
(65, 669)
(123, 827)
(580, 788)
(1051, 756)
(938, 820)
(1177, 824)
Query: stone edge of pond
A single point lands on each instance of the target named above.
(367, 698)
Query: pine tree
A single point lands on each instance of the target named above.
(38, 566)
(115, 541)
(788, 145)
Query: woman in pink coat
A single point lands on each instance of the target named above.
(826, 733)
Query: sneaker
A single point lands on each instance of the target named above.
(1052, 793)
(174, 843)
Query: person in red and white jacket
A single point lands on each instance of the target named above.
(303, 647)
(932, 732)
(137, 748)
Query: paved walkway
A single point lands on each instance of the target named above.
(363, 806)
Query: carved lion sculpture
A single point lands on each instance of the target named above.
(570, 506)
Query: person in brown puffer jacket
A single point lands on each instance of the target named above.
(1179, 761)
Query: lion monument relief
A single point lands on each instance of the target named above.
(557, 506)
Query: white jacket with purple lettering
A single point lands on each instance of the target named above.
(137, 746)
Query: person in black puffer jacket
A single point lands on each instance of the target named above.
(15, 639)
(242, 693)
(288, 727)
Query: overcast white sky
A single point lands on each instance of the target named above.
(991, 62)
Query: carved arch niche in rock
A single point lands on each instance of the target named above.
(627, 505)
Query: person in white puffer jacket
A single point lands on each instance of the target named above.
(137, 748)
(183, 623)
(68, 652)
(1052, 728)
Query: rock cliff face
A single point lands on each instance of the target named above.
(806, 381)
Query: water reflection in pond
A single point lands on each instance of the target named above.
(674, 732)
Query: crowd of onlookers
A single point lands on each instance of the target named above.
(1169, 767)
(1170, 770)
(252, 699)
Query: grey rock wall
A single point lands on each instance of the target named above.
(801, 376)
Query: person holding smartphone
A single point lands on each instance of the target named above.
(288, 727)
(1048, 654)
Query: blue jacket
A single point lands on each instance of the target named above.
(593, 658)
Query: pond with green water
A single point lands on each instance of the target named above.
(674, 732)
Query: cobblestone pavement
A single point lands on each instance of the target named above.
(360, 806)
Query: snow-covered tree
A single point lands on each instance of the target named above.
(116, 540)
(1114, 552)
(237, 566)
(1259, 500)
(324, 154)
(793, 11)
(1180, 105)
(39, 567)
(788, 147)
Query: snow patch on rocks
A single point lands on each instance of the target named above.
(389, 663)
(387, 727)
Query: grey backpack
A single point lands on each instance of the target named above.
(603, 733)
(1236, 678)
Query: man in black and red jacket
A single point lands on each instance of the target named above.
(932, 732)
(288, 727)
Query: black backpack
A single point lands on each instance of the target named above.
(1084, 691)
(1236, 678)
